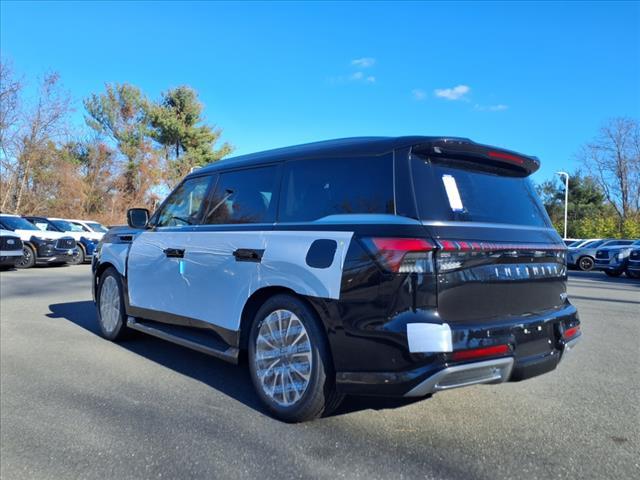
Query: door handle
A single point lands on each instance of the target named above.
(174, 252)
(248, 255)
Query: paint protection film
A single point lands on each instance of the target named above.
(209, 275)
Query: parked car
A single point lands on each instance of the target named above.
(85, 241)
(633, 265)
(10, 248)
(613, 260)
(583, 258)
(582, 243)
(39, 246)
(570, 241)
(385, 266)
(95, 228)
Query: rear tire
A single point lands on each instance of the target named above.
(290, 362)
(110, 304)
(631, 274)
(613, 273)
(28, 258)
(585, 264)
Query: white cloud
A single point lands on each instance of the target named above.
(364, 62)
(456, 93)
(491, 108)
(361, 77)
(418, 94)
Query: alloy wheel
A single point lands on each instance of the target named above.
(109, 304)
(283, 359)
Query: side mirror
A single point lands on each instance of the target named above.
(138, 217)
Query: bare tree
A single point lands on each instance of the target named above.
(613, 158)
(10, 91)
(44, 124)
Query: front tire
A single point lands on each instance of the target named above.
(289, 361)
(110, 302)
(79, 258)
(585, 264)
(28, 258)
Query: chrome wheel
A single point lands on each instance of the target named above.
(283, 358)
(109, 304)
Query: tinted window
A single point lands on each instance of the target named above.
(459, 193)
(183, 205)
(65, 226)
(98, 227)
(43, 224)
(593, 244)
(244, 196)
(312, 189)
(18, 223)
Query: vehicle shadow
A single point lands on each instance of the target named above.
(232, 380)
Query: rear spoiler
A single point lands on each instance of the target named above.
(465, 149)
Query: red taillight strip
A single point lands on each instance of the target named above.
(480, 352)
(506, 156)
(403, 244)
(465, 246)
(571, 332)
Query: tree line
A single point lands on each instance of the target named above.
(130, 151)
(604, 194)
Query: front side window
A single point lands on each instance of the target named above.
(312, 189)
(244, 196)
(183, 205)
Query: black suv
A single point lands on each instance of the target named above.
(384, 266)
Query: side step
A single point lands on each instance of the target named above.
(193, 338)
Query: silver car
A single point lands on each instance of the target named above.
(583, 258)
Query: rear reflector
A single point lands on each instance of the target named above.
(402, 255)
(571, 332)
(480, 352)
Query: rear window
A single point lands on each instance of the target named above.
(452, 192)
(312, 189)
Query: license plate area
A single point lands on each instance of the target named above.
(533, 340)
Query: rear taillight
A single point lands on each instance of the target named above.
(569, 333)
(480, 352)
(402, 255)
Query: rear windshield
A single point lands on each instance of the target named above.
(453, 192)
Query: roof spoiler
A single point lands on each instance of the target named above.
(465, 149)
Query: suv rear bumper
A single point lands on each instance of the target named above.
(526, 359)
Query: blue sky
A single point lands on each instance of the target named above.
(539, 78)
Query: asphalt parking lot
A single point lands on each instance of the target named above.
(76, 406)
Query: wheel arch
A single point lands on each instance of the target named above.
(257, 299)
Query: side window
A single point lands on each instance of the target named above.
(183, 205)
(312, 189)
(244, 196)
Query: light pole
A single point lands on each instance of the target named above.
(566, 199)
